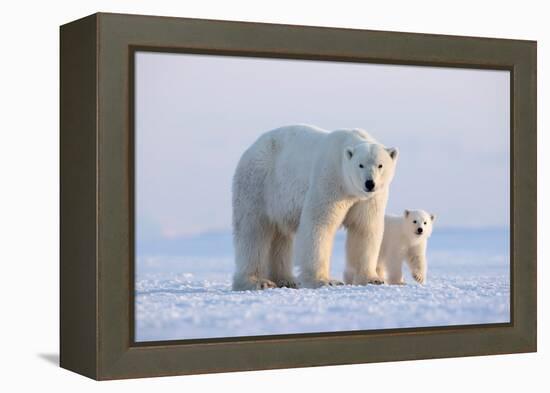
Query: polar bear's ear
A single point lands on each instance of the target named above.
(433, 216)
(406, 213)
(349, 152)
(393, 152)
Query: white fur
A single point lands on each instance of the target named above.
(297, 185)
(403, 242)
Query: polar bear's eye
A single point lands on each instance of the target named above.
(424, 222)
(361, 166)
(414, 222)
(380, 166)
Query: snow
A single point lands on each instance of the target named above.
(189, 296)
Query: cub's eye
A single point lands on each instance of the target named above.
(361, 166)
(380, 166)
(424, 222)
(414, 222)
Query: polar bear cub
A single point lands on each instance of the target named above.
(292, 190)
(405, 238)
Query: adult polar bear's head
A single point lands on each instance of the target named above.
(368, 168)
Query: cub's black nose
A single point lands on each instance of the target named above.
(369, 185)
(419, 230)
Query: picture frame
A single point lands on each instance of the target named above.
(97, 196)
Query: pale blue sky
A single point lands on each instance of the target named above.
(196, 114)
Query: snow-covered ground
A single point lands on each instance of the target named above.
(186, 293)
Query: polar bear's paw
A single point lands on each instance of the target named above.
(286, 283)
(252, 284)
(333, 283)
(375, 279)
(265, 284)
(419, 277)
(391, 281)
(362, 280)
(329, 282)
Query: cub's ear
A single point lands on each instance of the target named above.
(349, 152)
(406, 213)
(433, 216)
(393, 152)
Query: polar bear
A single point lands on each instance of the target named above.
(405, 238)
(292, 189)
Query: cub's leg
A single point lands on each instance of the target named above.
(252, 245)
(419, 267)
(394, 270)
(280, 260)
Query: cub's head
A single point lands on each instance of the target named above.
(369, 168)
(418, 223)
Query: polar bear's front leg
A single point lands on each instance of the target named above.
(313, 251)
(362, 255)
(313, 244)
(365, 225)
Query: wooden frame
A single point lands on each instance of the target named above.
(97, 196)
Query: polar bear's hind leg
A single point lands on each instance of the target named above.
(252, 256)
(252, 230)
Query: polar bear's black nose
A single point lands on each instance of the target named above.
(419, 230)
(369, 185)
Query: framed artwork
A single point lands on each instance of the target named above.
(241, 196)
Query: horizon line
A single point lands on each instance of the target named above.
(229, 231)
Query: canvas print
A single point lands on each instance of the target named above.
(284, 196)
